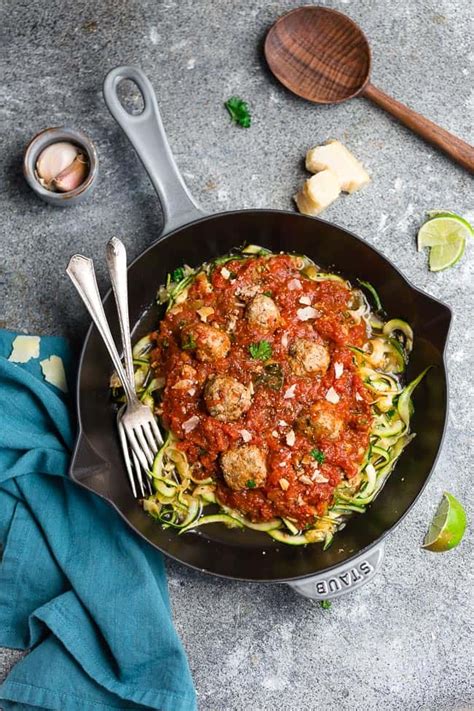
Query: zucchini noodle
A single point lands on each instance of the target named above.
(181, 499)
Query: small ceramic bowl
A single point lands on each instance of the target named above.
(46, 138)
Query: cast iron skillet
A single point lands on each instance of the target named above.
(191, 237)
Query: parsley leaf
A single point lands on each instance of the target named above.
(250, 484)
(325, 604)
(261, 350)
(267, 293)
(318, 455)
(188, 342)
(239, 111)
(177, 275)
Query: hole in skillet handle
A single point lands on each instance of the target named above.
(130, 97)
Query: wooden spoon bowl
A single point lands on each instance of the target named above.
(319, 54)
(323, 56)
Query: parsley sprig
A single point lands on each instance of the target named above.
(177, 275)
(318, 455)
(239, 111)
(261, 350)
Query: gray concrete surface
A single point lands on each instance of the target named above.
(404, 641)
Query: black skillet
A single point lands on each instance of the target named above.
(192, 237)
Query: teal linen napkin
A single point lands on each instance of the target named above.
(77, 587)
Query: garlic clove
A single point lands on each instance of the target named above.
(72, 176)
(54, 159)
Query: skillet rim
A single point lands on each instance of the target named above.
(80, 435)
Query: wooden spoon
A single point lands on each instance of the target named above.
(323, 56)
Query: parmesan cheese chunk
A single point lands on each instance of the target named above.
(24, 348)
(335, 157)
(53, 372)
(318, 192)
(332, 396)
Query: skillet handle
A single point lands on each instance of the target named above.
(343, 579)
(147, 135)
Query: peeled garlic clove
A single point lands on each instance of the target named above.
(54, 159)
(72, 176)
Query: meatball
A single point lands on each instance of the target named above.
(262, 313)
(210, 343)
(242, 465)
(308, 357)
(322, 420)
(226, 399)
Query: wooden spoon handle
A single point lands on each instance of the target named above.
(458, 150)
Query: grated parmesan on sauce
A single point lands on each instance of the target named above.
(290, 392)
(191, 424)
(307, 313)
(294, 285)
(332, 396)
(338, 370)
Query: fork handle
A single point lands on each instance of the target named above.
(81, 272)
(116, 257)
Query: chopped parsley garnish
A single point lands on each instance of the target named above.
(250, 484)
(239, 111)
(165, 343)
(318, 455)
(268, 293)
(390, 413)
(177, 275)
(325, 604)
(188, 343)
(261, 350)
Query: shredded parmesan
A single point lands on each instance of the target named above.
(294, 284)
(318, 477)
(359, 397)
(284, 340)
(290, 392)
(183, 385)
(290, 438)
(275, 434)
(306, 480)
(192, 391)
(306, 313)
(284, 483)
(305, 300)
(338, 370)
(225, 273)
(246, 436)
(332, 396)
(191, 424)
(205, 312)
(282, 423)
(24, 348)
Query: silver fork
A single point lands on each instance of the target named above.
(139, 425)
(116, 258)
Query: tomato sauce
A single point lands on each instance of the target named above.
(302, 469)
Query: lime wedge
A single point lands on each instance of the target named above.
(447, 527)
(447, 213)
(446, 255)
(446, 234)
(443, 228)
